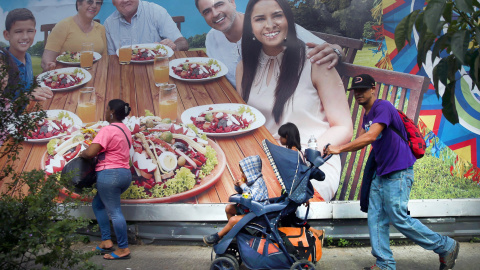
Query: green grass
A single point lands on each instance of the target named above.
(433, 179)
(365, 57)
(198, 49)
(37, 69)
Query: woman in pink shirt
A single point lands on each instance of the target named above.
(112, 147)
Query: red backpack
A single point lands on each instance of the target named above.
(415, 139)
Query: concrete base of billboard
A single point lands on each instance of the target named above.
(159, 223)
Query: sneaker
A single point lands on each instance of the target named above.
(448, 262)
(373, 267)
(211, 239)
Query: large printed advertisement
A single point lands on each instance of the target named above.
(449, 169)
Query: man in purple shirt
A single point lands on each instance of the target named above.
(391, 185)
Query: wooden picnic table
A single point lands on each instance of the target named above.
(134, 84)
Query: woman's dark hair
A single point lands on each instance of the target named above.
(291, 133)
(292, 62)
(77, 2)
(120, 108)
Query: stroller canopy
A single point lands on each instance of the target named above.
(290, 170)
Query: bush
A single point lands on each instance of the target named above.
(34, 228)
(197, 41)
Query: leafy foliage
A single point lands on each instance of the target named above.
(34, 229)
(15, 120)
(338, 17)
(37, 49)
(197, 41)
(450, 30)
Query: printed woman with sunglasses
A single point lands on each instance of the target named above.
(71, 32)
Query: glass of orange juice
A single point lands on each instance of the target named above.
(86, 55)
(160, 69)
(168, 102)
(125, 51)
(87, 108)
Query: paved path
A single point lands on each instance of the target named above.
(411, 257)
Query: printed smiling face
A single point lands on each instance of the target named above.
(269, 25)
(127, 8)
(89, 8)
(20, 37)
(219, 14)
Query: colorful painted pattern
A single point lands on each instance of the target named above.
(463, 138)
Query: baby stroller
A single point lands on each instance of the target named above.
(256, 239)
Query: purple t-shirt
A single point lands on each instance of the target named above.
(392, 153)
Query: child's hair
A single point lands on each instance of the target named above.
(291, 133)
(120, 108)
(18, 14)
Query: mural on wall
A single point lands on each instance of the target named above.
(462, 138)
(452, 149)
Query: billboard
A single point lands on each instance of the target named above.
(452, 150)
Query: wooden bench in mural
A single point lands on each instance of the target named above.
(403, 90)
(350, 45)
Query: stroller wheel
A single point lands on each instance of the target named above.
(224, 263)
(302, 265)
(233, 250)
(227, 254)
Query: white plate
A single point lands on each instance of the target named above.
(96, 57)
(164, 48)
(196, 111)
(53, 113)
(87, 78)
(173, 63)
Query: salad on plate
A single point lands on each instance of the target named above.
(64, 78)
(221, 120)
(197, 69)
(224, 119)
(57, 123)
(69, 57)
(140, 53)
(166, 159)
(145, 53)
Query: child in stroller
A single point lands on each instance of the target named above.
(260, 243)
(251, 183)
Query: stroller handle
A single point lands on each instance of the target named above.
(315, 158)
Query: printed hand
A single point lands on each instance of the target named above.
(322, 53)
(42, 93)
(51, 66)
(169, 43)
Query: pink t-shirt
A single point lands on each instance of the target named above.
(115, 152)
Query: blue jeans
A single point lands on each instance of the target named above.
(389, 195)
(110, 184)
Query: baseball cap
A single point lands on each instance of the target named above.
(362, 81)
